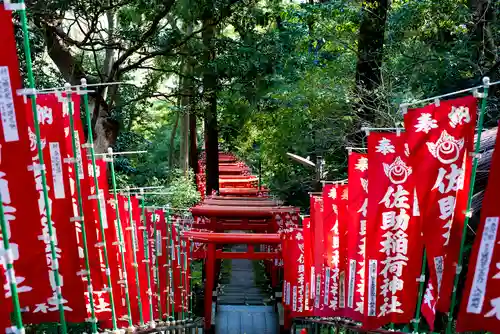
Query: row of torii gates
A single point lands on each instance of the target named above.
(242, 205)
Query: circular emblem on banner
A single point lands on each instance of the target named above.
(446, 149)
(398, 171)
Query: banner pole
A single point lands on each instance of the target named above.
(10, 274)
(98, 197)
(118, 228)
(420, 293)
(146, 259)
(81, 218)
(157, 272)
(171, 272)
(191, 246)
(484, 96)
(135, 264)
(47, 205)
(167, 262)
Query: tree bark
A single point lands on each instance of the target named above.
(186, 103)
(370, 56)
(193, 142)
(210, 97)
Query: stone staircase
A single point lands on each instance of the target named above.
(243, 307)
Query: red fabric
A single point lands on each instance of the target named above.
(356, 238)
(480, 306)
(335, 246)
(141, 256)
(308, 264)
(439, 138)
(393, 249)
(176, 265)
(318, 255)
(297, 273)
(51, 123)
(96, 253)
(17, 185)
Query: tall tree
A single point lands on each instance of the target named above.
(370, 55)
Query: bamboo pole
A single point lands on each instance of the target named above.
(81, 218)
(10, 274)
(98, 198)
(133, 237)
(118, 228)
(416, 322)
(146, 260)
(486, 82)
(41, 165)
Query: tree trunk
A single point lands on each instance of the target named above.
(193, 142)
(186, 101)
(370, 56)
(210, 97)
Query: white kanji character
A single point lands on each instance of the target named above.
(400, 198)
(455, 178)
(388, 220)
(362, 164)
(458, 116)
(385, 146)
(495, 311)
(332, 193)
(393, 285)
(41, 308)
(446, 207)
(364, 207)
(425, 123)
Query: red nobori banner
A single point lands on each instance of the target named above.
(480, 306)
(18, 189)
(51, 124)
(335, 245)
(439, 138)
(296, 274)
(356, 236)
(140, 227)
(393, 243)
(177, 259)
(318, 251)
(94, 240)
(156, 228)
(307, 233)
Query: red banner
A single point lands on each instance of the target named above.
(318, 251)
(296, 275)
(480, 306)
(393, 249)
(51, 124)
(334, 230)
(309, 270)
(141, 256)
(439, 138)
(17, 188)
(356, 237)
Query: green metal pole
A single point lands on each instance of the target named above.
(31, 85)
(146, 260)
(486, 82)
(120, 236)
(98, 198)
(136, 265)
(416, 322)
(9, 272)
(81, 218)
(157, 272)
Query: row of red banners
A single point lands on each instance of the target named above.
(21, 189)
(359, 255)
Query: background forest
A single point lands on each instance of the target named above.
(265, 77)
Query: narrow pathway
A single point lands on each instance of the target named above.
(241, 306)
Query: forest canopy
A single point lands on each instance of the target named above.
(258, 78)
